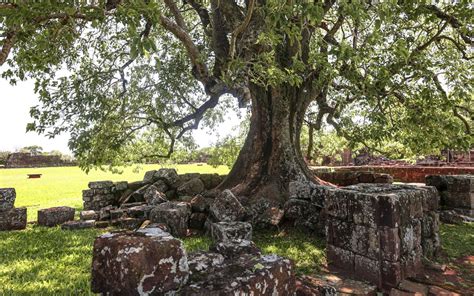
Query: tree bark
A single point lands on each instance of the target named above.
(271, 156)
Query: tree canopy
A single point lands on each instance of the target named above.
(129, 78)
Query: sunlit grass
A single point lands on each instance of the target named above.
(62, 186)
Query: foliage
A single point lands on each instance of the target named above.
(61, 186)
(129, 80)
(3, 157)
(226, 150)
(34, 149)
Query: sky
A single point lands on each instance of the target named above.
(16, 101)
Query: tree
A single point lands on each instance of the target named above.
(34, 149)
(141, 73)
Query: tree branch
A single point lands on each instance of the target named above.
(241, 28)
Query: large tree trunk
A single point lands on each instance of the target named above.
(271, 156)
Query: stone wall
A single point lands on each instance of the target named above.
(407, 174)
(457, 192)
(28, 160)
(379, 233)
(352, 178)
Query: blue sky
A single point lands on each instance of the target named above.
(15, 103)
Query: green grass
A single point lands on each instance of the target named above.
(62, 186)
(457, 240)
(51, 261)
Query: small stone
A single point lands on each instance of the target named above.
(141, 212)
(161, 186)
(102, 224)
(226, 207)
(75, 225)
(117, 214)
(148, 261)
(175, 215)
(191, 187)
(13, 219)
(54, 216)
(89, 215)
(224, 231)
(7, 198)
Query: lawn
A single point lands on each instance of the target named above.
(62, 186)
(50, 261)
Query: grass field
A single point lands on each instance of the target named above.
(62, 186)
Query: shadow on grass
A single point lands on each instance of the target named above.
(46, 261)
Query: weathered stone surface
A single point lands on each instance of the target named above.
(380, 232)
(200, 204)
(197, 220)
(191, 187)
(153, 196)
(89, 215)
(104, 213)
(170, 176)
(149, 176)
(234, 248)
(147, 262)
(13, 219)
(224, 231)
(102, 224)
(174, 214)
(7, 198)
(121, 186)
(453, 217)
(457, 191)
(116, 214)
(100, 184)
(55, 216)
(226, 207)
(248, 275)
(127, 223)
(204, 261)
(75, 225)
(141, 212)
(410, 286)
(161, 186)
(264, 213)
(132, 204)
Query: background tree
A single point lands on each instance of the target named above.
(127, 79)
(34, 149)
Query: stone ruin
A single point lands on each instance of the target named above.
(379, 233)
(150, 261)
(347, 178)
(11, 218)
(457, 197)
(29, 160)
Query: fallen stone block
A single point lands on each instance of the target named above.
(13, 219)
(235, 248)
(200, 204)
(102, 224)
(191, 187)
(175, 215)
(224, 231)
(170, 176)
(141, 212)
(249, 275)
(147, 262)
(55, 216)
(7, 198)
(332, 284)
(226, 207)
(153, 196)
(76, 225)
(89, 215)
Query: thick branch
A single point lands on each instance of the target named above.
(241, 28)
(7, 46)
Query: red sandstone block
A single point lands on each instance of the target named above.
(367, 269)
(391, 274)
(340, 258)
(339, 233)
(390, 243)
